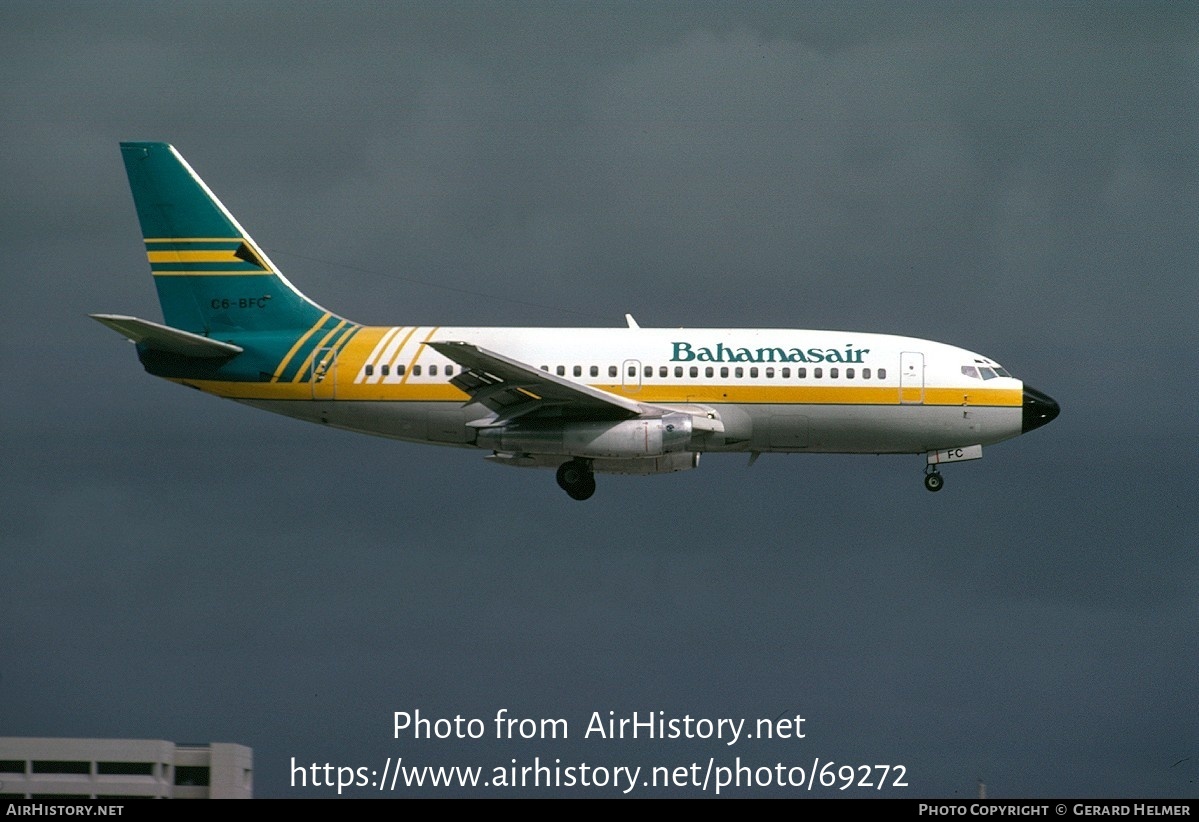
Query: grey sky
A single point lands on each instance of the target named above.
(1019, 179)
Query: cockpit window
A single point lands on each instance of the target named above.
(989, 370)
(984, 371)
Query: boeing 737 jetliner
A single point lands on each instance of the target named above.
(625, 400)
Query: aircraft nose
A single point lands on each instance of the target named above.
(1039, 409)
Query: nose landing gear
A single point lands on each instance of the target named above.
(933, 480)
(576, 479)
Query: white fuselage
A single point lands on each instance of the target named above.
(773, 389)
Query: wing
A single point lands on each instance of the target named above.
(513, 389)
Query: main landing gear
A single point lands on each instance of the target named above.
(575, 478)
(933, 480)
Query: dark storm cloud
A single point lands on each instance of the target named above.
(1018, 179)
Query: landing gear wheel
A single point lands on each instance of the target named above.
(584, 489)
(934, 481)
(576, 479)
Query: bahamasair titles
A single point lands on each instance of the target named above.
(582, 401)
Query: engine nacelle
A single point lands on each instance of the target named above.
(665, 464)
(628, 439)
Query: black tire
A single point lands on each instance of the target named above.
(575, 478)
(585, 488)
(569, 474)
(934, 482)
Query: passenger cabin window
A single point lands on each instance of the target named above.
(578, 370)
(865, 373)
(649, 371)
(432, 371)
(449, 370)
(709, 371)
(400, 370)
(882, 373)
(370, 371)
(632, 371)
(694, 371)
(832, 373)
(416, 370)
(769, 373)
(724, 371)
(801, 373)
(678, 370)
(663, 371)
(738, 372)
(612, 372)
(817, 372)
(561, 370)
(384, 369)
(753, 372)
(595, 370)
(849, 373)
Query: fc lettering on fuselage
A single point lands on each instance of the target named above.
(581, 401)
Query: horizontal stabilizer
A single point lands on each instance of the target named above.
(164, 338)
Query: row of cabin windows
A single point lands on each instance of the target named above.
(385, 370)
(737, 372)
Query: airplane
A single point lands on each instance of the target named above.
(582, 401)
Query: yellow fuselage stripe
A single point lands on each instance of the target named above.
(416, 356)
(400, 349)
(798, 396)
(299, 344)
(303, 370)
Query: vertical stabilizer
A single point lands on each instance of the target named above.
(212, 278)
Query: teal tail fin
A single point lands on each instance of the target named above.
(212, 278)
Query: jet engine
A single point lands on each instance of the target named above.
(628, 439)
